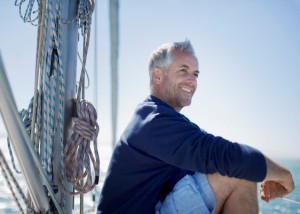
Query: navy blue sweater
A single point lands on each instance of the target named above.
(158, 148)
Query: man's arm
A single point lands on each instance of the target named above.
(278, 182)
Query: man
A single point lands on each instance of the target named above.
(164, 163)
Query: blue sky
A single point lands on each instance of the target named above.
(249, 61)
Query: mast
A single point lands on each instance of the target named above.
(96, 58)
(114, 52)
(69, 38)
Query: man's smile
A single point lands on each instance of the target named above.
(186, 89)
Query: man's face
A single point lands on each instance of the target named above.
(180, 81)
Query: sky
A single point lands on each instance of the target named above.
(249, 62)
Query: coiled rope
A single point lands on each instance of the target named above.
(78, 154)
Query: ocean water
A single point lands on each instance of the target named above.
(9, 206)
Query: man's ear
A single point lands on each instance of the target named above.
(157, 75)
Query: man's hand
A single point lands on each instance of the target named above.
(278, 182)
(271, 189)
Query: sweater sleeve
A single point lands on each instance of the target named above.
(178, 142)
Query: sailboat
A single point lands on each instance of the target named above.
(57, 148)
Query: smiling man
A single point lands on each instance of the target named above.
(164, 163)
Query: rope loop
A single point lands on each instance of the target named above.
(77, 153)
(31, 9)
(83, 16)
(85, 11)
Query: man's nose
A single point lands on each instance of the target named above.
(192, 79)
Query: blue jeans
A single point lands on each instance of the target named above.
(191, 195)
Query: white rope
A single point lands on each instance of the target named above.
(85, 10)
(26, 116)
(5, 174)
(290, 200)
(32, 8)
(12, 157)
(41, 62)
(53, 89)
(39, 66)
(10, 179)
(83, 17)
(48, 112)
(86, 73)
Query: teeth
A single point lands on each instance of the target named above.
(186, 90)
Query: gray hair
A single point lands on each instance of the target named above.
(162, 56)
